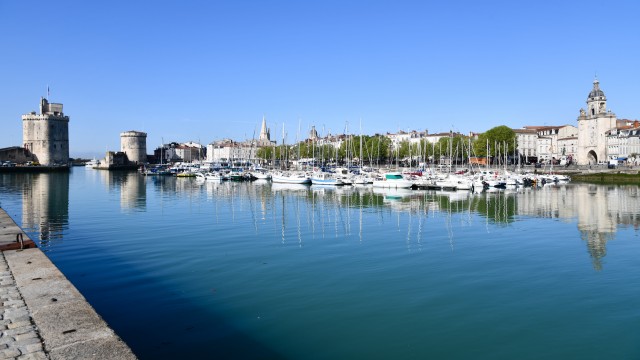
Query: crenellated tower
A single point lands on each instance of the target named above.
(46, 135)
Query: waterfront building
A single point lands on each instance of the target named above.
(554, 142)
(593, 125)
(568, 147)
(434, 138)
(46, 135)
(413, 137)
(229, 150)
(16, 155)
(134, 144)
(166, 153)
(183, 152)
(190, 152)
(526, 143)
(623, 143)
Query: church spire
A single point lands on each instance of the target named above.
(264, 132)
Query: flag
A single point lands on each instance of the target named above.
(47, 92)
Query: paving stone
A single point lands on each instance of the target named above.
(20, 330)
(40, 355)
(7, 340)
(29, 335)
(16, 302)
(31, 348)
(9, 353)
(18, 324)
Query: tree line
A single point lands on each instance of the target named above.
(378, 149)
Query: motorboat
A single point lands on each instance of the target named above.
(291, 178)
(325, 178)
(392, 180)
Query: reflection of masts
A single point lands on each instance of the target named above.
(253, 211)
(298, 221)
(409, 231)
(283, 222)
(360, 220)
(449, 230)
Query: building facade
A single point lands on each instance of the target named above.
(228, 150)
(46, 135)
(526, 144)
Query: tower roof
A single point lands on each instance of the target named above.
(596, 91)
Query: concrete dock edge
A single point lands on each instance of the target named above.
(69, 327)
(44, 316)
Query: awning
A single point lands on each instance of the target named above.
(622, 158)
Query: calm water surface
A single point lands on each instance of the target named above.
(182, 269)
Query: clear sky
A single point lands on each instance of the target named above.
(207, 70)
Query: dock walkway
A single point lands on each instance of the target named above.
(42, 315)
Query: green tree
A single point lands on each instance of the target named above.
(378, 149)
(498, 138)
(458, 150)
(403, 150)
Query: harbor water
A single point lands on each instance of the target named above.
(252, 270)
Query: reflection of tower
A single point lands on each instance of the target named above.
(133, 193)
(134, 144)
(46, 135)
(598, 210)
(45, 205)
(597, 245)
(595, 223)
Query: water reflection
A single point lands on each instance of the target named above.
(45, 206)
(301, 213)
(331, 211)
(130, 185)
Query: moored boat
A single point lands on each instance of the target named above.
(291, 178)
(325, 178)
(392, 180)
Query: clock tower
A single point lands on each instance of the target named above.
(593, 125)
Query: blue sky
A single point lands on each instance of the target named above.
(207, 70)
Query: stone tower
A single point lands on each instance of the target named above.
(265, 133)
(592, 127)
(134, 144)
(46, 135)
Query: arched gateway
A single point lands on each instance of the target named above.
(592, 157)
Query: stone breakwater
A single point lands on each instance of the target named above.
(43, 315)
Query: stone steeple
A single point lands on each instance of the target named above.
(265, 133)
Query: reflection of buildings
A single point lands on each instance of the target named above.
(132, 187)
(45, 205)
(133, 192)
(598, 210)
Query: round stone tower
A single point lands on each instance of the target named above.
(134, 144)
